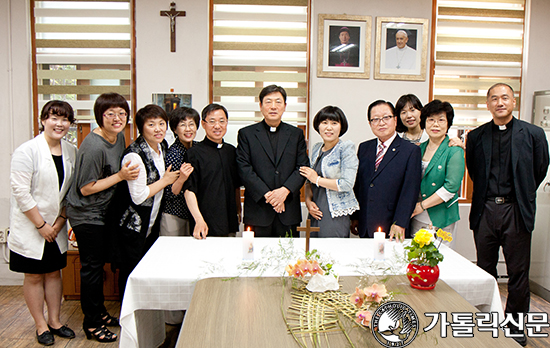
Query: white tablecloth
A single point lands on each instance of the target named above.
(166, 277)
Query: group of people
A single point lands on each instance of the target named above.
(118, 200)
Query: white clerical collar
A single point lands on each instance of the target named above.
(502, 127)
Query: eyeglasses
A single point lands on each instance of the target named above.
(221, 122)
(111, 115)
(377, 120)
(438, 121)
(187, 125)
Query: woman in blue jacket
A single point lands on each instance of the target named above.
(443, 170)
(329, 192)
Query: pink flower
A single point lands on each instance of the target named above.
(294, 271)
(305, 266)
(357, 297)
(363, 318)
(316, 268)
(375, 293)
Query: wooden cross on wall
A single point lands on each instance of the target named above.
(308, 229)
(172, 15)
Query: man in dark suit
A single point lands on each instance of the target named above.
(388, 178)
(269, 156)
(507, 160)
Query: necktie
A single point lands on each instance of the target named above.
(379, 155)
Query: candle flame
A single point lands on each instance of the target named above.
(379, 229)
(248, 228)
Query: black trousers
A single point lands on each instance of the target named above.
(93, 246)
(501, 225)
(275, 229)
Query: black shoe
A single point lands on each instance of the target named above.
(63, 331)
(101, 334)
(522, 340)
(46, 338)
(109, 320)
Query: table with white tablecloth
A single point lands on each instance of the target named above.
(166, 276)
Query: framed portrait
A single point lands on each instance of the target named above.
(401, 49)
(170, 101)
(344, 46)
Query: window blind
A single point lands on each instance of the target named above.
(477, 44)
(81, 49)
(257, 43)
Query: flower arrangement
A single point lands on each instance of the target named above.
(311, 265)
(367, 298)
(423, 251)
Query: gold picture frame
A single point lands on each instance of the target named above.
(337, 57)
(401, 48)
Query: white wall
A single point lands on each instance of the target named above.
(536, 76)
(158, 69)
(353, 96)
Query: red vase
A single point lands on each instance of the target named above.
(422, 277)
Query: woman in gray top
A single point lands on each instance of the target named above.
(97, 172)
(329, 192)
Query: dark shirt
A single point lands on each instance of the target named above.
(58, 160)
(175, 204)
(273, 137)
(501, 181)
(214, 180)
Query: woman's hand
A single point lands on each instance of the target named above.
(169, 176)
(48, 233)
(185, 170)
(457, 142)
(128, 172)
(309, 174)
(314, 210)
(417, 210)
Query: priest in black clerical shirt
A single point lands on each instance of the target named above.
(212, 192)
(269, 156)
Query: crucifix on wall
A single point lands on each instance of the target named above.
(172, 15)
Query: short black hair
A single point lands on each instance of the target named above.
(434, 107)
(180, 114)
(500, 84)
(272, 89)
(211, 108)
(58, 108)
(331, 113)
(147, 112)
(107, 101)
(380, 102)
(401, 103)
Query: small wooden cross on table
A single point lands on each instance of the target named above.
(308, 229)
(172, 14)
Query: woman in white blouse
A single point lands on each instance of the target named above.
(41, 174)
(138, 202)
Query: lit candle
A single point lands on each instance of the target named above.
(248, 245)
(379, 244)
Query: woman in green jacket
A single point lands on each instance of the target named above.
(443, 170)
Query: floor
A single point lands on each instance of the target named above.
(17, 327)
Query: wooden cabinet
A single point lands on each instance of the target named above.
(71, 278)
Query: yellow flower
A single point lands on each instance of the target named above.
(445, 235)
(423, 237)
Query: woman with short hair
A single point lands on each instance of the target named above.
(330, 199)
(442, 171)
(97, 174)
(41, 174)
(138, 201)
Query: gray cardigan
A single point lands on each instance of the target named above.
(341, 164)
